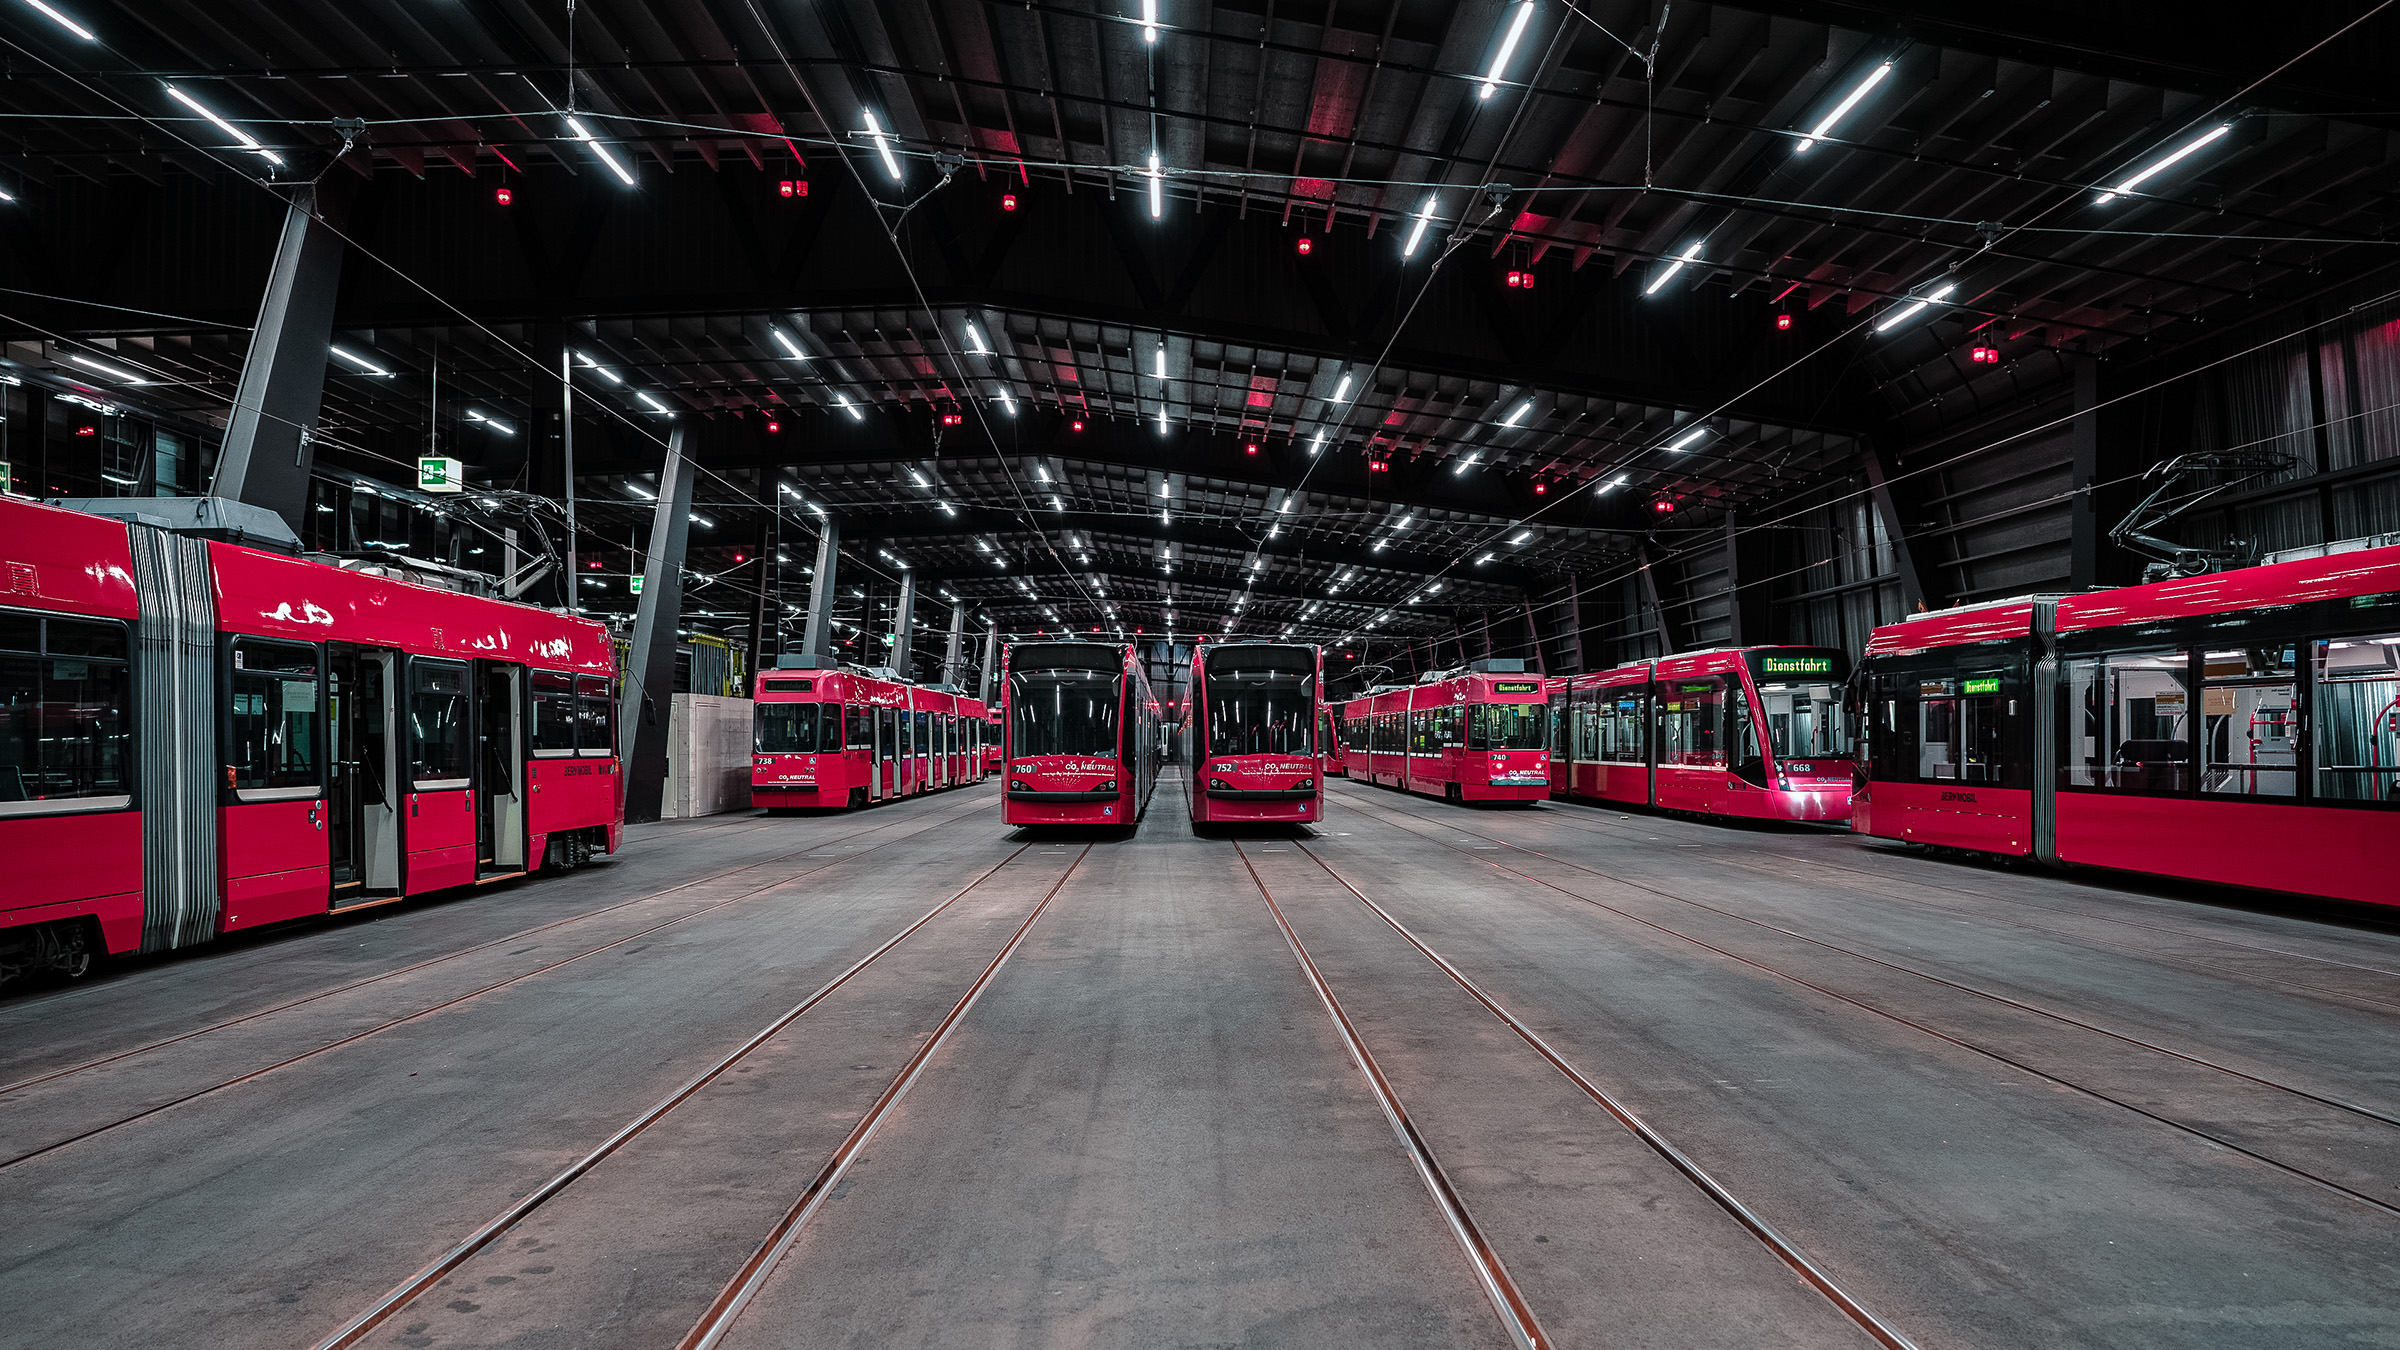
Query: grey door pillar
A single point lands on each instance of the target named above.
(269, 436)
(951, 670)
(816, 641)
(904, 622)
(650, 666)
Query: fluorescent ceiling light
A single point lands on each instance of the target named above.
(2131, 183)
(1672, 268)
(1900, 315)
(1521, 536)
(975, 340)
(1485, 559)
(493, 422)
(653, 404)
(883, 144)
(1341, 392)
(1006, 402)
(784, 340)
(1685, 440)
(1514, 417)
(1508, 47)
(642, 492)
(365, 366)
(1416, 228)
(227, 127)
(1158, 366)
(623, 174)
(63, 21)
(1162, 419)
(110, 371)
(1149, 20)
(1315, 445)
(847, 406)
(1468, 463)
(1842, 109)
(1158, 188)
(1040, 474)
(604, 372)
(1616, 482)
(702, 521)
(918, 478)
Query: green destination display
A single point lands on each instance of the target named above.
(1795, 665)
(1516, 686)
(1990, 686)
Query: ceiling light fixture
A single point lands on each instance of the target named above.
(227, 127)
(784, 341)
(110, 371)
(1508, 47)
(623, 174)
(1687, 439)
(604, 372)
(1688, 255)
(2136, 181)
(1521, 536)
(883, 144)
(847, 406)
(975, 340)
(1514, 417)
(653, 404)
(1416, 229)
(365, 366)
(1899, 316)
(1158, 188)
(1842, 109)
(63, 21)
(1149, 20)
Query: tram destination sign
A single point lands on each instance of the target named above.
(1795, 665)
(1990, 686)
(1516, 686)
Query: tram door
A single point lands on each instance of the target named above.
(879, 770)
(499, 770)
(363, 826)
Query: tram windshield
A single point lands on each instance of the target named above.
(1064, 712)
(1509, 726)
(1800, 702)
(1261, 713)
(792, 728)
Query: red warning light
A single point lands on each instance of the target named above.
(1078, 424)
(1378, 466)
(774, 428)
(1521, 280)
(952, 419)
(1008, 201)
(1782, 322)
(792, 187)
(1664, 508)
(1306, 245)
(737, 556)
(1251, 448)
(1985, 355)
(503, 196)
(1540, 488)
(595, 565)
(87, 431)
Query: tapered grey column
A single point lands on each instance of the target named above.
(269, 435)
(650, 666)
(904, 622)
(951, 670)
(817, 639)
(987, 682)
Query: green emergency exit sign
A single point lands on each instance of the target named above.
(440, 473)
(634, 583)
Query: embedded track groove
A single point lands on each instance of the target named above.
(1987, 1052)
(428, 1011)
(407, 1291)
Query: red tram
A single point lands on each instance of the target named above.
(198, 737)
(828, 737)
(1477, 735)
(1251, 739)
(2241, 728)
(1083, 734)
(1332, 742)
(1751, 732)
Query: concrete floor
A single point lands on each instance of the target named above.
(1991, 1107)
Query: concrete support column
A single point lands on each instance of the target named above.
(952, 671)
(1533, 636)
(989, 680)
(650, 666)
(1904, 561)
(1570, 628)
(766, 606)
(269, 436)
(1647, 573)
(904, 622)
(816, 640)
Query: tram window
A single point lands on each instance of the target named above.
(2127, 720)
(2358, 719)
(271, 735)
(1625, 720)
(2250, 721)
(859, 734)
(1690, 721)
(1508, 726)
(1804, 721)
(553, 713)
(64, 723)
(437, 724)
(596, 716)
(786, 728)
(1064, 712)
(1260, 714)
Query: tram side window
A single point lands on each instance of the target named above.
(2250, 721)
(2126, 717)
(1690, 722)
(1625, 715)
(64, 709)
(1965, 726)
(857, 734)
(271, 736)
(595, 716)
(553, 713)
(2358, 720)
(437, 724)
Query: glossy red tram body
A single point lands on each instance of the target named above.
(1250, 736)
(845, 738)
(1477, 736)
(1083, 734)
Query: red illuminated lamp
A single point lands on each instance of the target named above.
(792, 187)
(87, 431)
(1008, 201)
(737, 556)
(1516, 279)
(774, 427)
(1540, 488)
(1251, 448)
(1782, 322)
(1306, 244)
(503, 196)
(952, 419)
(1985, 355)
(1378, 466)
(595, 565)
(1663, 507)
(1528, 282)
(1078, 424)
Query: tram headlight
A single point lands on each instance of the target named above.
(1018, 785)
(1218, 784)
(1109, 786)
(1304, 783)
